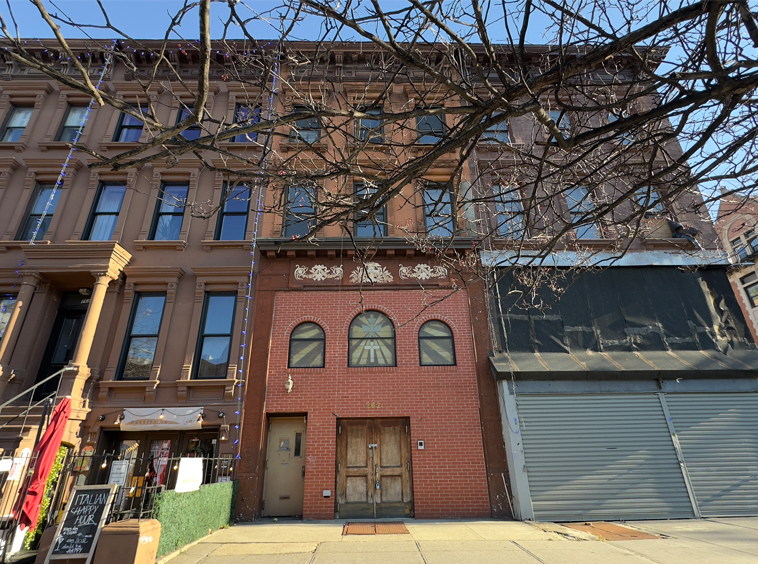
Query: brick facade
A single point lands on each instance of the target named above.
(449, 478)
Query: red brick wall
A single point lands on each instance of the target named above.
(449, 478)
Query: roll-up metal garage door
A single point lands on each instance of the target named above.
(718, 434)
(600, 456)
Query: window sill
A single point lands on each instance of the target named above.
(19, 147)
(119, 146)
(595, 243)
(6, 246)
(242, 145)
(227, 384)
(383, 147)
(210, 244)
(53, 145)
(486, 147)
(285, 146)
(149, 387)
(144, 244)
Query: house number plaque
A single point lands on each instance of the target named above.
(373, 405)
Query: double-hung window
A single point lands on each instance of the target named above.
(129, 128)
(105, 212)
(301, 211)
(18, 119)
(438, 211)
(430, 128)
(72, 122)
(370, 129)
(750, 285)
(649, 199)
(193, 131)
(364, 226)
(307, 129)
(41, 211)
(497, 133)
(739, 248)
(7, 306)
(245, 115)
(169, 213)
(511, 220)
(215, 336)
(142, 339)
(232, 217)
(580, 205)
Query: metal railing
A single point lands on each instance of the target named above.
(32, 389)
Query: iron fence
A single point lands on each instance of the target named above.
(139, 480)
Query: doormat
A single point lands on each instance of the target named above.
(610, 531)
(382, 528)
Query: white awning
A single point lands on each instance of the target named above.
(159, 419)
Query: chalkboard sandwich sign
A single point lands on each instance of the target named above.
(85, 515)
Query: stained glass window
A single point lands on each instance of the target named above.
(307, 344)
(435, 344)
(371, 340)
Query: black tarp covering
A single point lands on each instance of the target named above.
(619, 309)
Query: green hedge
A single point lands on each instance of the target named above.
(186, 517)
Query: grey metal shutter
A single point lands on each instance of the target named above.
(601, 456)
(718, 434)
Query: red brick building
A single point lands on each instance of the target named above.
(417, 428)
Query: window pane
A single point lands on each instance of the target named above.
(511, 221)
(12, 135)
(306, 354)
(749, 278)
(103, 227)
(139, 358)
(436, 352)
(439, 219)
(238, 200)
(173, 199)
(147, 318)
(75, 116)
(131, 121)
(435, 329)
(43, 196)
(214, 357)
(20, 117)
(247, 116)
(130, 135)
(233, 228)
(372, 340)
(7, 305)
(752, 292)
(168, 228)
(219, 315)
(372, 352)
(307, 331)
(496, 133)
(110, 199)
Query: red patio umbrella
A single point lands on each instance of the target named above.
(27, 511)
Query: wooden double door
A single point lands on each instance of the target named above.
(374, 474)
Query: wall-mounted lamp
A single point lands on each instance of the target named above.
(221, 414)
(119, 419)
(223, 434)
(200, 417)
(289, 384)
(161, 416)
(101, 417)
(85, 291)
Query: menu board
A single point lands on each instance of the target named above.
(85, 515)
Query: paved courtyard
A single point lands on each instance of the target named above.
(706, 541)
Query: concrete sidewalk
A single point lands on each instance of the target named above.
(733, 541)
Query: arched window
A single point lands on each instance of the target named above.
(435, 344)
(307, 346)
(371, 340)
